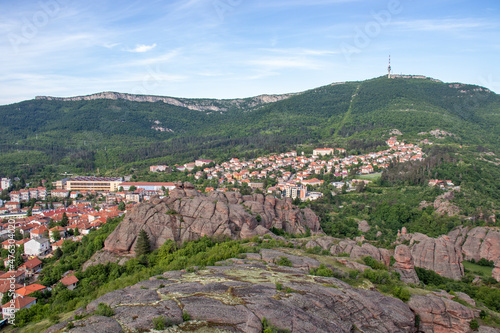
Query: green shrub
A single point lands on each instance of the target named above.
(402, 293)
(185, 316)
(374, 263)
(474, 324)
(322, 270)
(104, 310)
(159, 323)
(279, 286)
(284, 261)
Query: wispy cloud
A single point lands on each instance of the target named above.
(141, 48)
(301, 3)
(303, 52)
(164, 58)
(285, 62)
(451, 25)
(110, 45)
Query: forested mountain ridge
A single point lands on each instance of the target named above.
(83, 135)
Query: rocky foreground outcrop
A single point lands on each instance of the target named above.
(238, 294)
(187, 215)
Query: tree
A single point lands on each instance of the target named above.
(132, 188)
(121, 206)
(76, 232)
(120, 189)
(55, 235)
(18, 235)
(143, 245)
(29, 212)
(64, 221)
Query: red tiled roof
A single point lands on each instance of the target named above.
(69, 280)
(25, 291)
(20, 302)
(32, 263)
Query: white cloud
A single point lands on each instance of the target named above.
(143, 48)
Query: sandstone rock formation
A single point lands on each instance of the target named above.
(477, 243)
(496, 270)
(187, 215)
(404, 264)
(438, 314)
(236, 297)
(438, 254)
(443, 206)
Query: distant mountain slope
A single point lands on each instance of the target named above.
(108, 130)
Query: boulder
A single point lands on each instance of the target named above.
(404, 264)
(438, 314)
(363, 226)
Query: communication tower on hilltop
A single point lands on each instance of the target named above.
(389, 68)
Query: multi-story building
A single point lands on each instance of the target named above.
(295, 191)
(6, 183)
(158, 168)
(15, 196)
(323, 151)
(147, 186)
(98, 184)
(25, 195)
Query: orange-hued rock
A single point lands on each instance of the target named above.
(477, 243)
(187, 215)
(440, 255)
(496, 270)
(440, 315)
(404, 264)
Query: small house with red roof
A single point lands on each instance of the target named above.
(9, 309)
(31, 266)
(69, 281)
(27, 290)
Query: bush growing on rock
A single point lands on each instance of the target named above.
(104, 310)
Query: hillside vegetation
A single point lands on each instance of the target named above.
(80, 136)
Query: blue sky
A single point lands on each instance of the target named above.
(239, 48)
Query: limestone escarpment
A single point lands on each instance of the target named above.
(187, 215)
(192, 104)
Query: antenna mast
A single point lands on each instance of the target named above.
(389, 68)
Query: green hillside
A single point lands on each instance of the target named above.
(81, 136)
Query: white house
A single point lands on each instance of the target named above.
(37, 247)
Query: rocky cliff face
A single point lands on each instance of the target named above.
(438, 254)
(187, 215)
(477, 243)
(192, 104)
